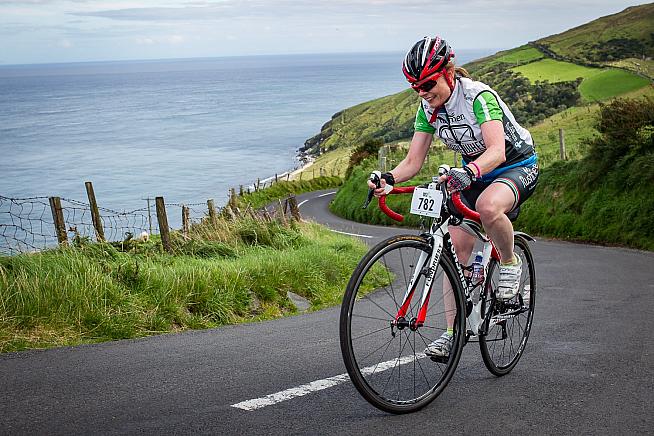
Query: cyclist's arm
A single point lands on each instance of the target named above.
(495, 154)
(411, 164)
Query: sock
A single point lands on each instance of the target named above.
(513, 261)
(450, 331)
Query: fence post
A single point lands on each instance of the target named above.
(212, 211)
(562, 145)
(185, 220)
(282, 212)
(240, 190)
(149, 214)
(275, 178)
(95, 212)
(164, 230)
(295, 210)
(256, 187)
(59, 223)
(382, 153)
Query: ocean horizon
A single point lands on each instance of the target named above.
(185, 129)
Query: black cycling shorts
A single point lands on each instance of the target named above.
(521, 180)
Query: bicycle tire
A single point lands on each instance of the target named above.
(510, 322)
(369, 307)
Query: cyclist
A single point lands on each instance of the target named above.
(499, 164)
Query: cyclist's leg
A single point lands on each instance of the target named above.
(463, 243)
(512, 188)
(492, 205)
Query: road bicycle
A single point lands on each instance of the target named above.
(405, 289)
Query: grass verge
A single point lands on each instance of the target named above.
(229, 272)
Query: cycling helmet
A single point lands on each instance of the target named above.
(426, 57)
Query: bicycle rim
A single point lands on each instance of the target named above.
(386, 363)
(509, 323)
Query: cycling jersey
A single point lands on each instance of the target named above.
(458, 123)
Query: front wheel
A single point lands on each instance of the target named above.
(507, 323)
(383, 353)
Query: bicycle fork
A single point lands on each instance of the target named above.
(428, 268)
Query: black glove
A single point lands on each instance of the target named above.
(459, 179)
(388, 178)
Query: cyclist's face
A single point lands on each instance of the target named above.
(437, 95)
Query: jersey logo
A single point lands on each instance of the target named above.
(457, 133)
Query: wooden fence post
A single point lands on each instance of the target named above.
(59, 223)
(185, 221)
(95, 212)
(149, 215)
(212, 211)
(282, 212)
(295, 210)
(164, 230)
(562, 153)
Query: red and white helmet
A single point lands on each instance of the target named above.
(426, 57)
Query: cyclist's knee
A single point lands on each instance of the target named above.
(493, 207)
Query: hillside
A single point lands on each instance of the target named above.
(537, 80)
(625, 36)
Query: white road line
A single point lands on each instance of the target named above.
(319, 385)
(351, 234)
(322, 195)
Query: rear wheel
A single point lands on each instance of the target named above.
(508, 323)
(383, 354)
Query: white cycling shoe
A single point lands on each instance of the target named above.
(509, 284)
(440, 347)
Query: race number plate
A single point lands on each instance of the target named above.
(427, 202)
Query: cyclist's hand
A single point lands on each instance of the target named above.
(459, 179)
(381, 184)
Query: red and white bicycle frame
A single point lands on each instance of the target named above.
(437, 232)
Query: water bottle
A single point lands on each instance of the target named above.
(477, 269)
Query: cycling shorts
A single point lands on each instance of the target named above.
(521, 180)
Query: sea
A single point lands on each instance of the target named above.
(185, 129)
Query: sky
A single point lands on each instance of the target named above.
(49, 31)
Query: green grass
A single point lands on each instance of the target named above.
(520, 55)
(597, 85)
(96, 292)
(332, 163)
(555, 71)
(610, 83)
(263, 197)
(578, 124)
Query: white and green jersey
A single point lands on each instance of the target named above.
(458, 122)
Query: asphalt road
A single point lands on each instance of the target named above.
(588, 368)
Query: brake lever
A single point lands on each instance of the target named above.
(375, 177)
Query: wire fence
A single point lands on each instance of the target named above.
(36, 223)
(31, 224)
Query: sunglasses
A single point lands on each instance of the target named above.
(427, 84)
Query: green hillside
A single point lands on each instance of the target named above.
(537, 80)
(625, 35)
